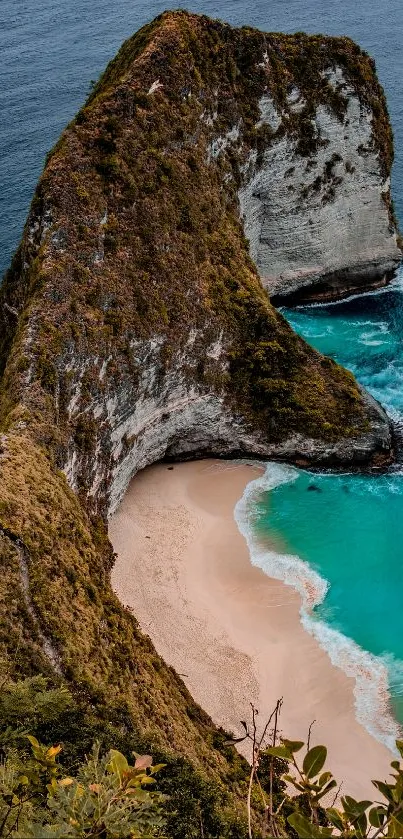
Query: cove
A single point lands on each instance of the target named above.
(349, 528)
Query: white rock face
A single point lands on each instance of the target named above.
(312, 217)
(169, 416)
(269, 114)
(220, 143)
(138, 426)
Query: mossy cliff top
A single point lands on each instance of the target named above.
(133, 295)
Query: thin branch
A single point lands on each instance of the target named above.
(252, 771)
(381, 829)
(308, 742)
(337, 793)
(257, 745)
(272, 821)
(278, 710)
(265, 805)
(280, 805)
(254, 713)
(274, 714)
(248, 802)
(262, 795)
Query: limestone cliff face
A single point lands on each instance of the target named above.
(134, 325)
(320, 227)
(168, 416)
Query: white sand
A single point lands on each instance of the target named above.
(232, 633)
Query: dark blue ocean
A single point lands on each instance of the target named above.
(50, 50)
(344, 539)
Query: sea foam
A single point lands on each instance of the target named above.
(371, 673)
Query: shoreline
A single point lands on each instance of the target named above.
(369, 672)
(233, 633)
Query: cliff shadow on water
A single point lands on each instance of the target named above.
(209, 166)
(363, 333)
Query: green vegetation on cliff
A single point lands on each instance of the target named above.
(134, 245)
(44, 795)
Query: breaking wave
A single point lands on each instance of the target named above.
(371, 673)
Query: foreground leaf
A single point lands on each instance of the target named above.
(314, 761)
(304, 828)
(292, 745)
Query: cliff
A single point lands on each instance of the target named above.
(317, 210)
(134, 326)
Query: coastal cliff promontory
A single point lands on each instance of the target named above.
(208, 165)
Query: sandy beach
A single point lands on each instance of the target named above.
(232, 633)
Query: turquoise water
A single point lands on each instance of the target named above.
(364, 334)
(349, 528)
